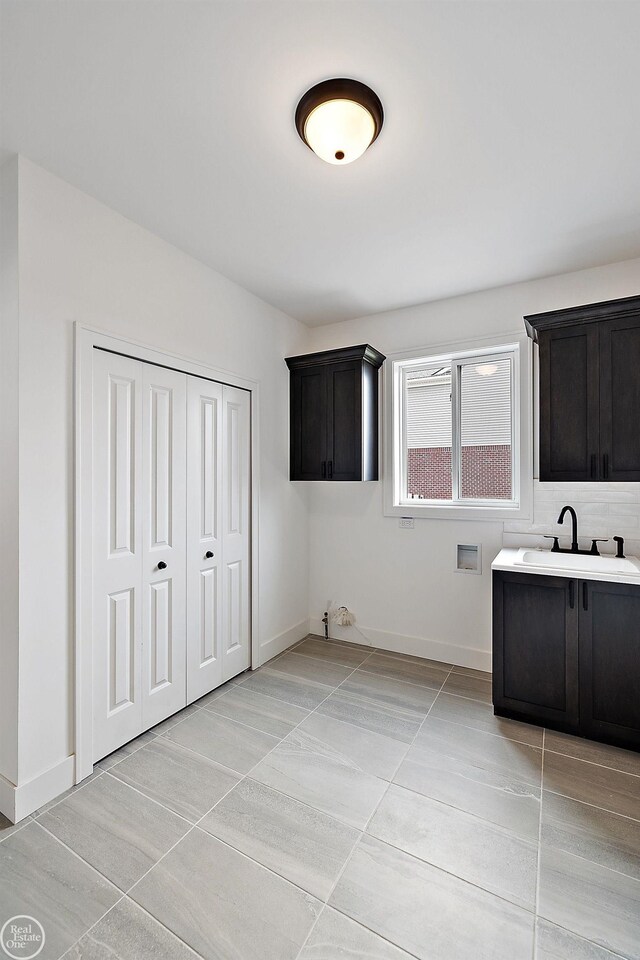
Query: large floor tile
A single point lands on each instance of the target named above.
(115, 829)
(308, 668)
(386, 691)
(426, 673)
(292, 839)
(255, 710)
(185, 782)
(426, 911)
(479, 715)
(591, 833)
(592, 901)
(475, 850)
(554, 943)
(97, 772)
(336, 788)
(302, 693)
(591, 783)
(40, 878)
(132, 747)
(468, 785)
(351, 744)
(336, 937)
(628, 761)
(496, 754)
(224, 905)
(463, 685)
(128, 933)
(341, 653)
(376, 717)
(223, 740)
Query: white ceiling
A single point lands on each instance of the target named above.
(511, 145)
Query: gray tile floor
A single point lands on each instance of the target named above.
(341, 802)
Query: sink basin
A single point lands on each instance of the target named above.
(578, 562)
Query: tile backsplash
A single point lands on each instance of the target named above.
(603, 509)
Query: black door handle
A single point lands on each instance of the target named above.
(585, 596)
(208, 555)
(572, 597)
(330, 469)
(593, 465)
(162, 565)
(605, 465)
(323, 469)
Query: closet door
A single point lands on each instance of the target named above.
(204, 540)
(163, 570)
(117, 548)
(236, 417)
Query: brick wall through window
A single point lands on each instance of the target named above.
(485, 472)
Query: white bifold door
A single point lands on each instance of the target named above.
(171, 577)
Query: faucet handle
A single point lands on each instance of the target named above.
(594, 546)
(556, 546)
(620, 542)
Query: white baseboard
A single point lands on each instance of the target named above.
(18, 802)
(414, 646)
(271, 648)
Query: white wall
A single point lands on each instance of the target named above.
(80, 260)
(401, 584)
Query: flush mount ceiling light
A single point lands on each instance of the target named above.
(339, 119)
(486, 369)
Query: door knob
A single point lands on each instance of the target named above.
(208, 555)
(162, 565)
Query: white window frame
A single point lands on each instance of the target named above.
(456, 354)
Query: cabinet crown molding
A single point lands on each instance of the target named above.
(363, 351)
(586, 313)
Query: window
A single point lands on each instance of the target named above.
(455, 428)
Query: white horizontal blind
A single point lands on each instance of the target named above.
(486, 405)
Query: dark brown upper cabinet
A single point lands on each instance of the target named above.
(589, 391)
(334, 414)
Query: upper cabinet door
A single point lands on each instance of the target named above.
(569, 403)
(620, 399)
(344, 415)
(309, 423)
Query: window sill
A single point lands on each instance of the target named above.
(456, 511)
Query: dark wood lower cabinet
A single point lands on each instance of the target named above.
(566, 654)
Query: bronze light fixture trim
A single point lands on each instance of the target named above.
(339, 119)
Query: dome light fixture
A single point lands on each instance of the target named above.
(339, 119)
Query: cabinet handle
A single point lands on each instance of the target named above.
(330, 469)
(323, 469)
(605, 465)
(593, 465)
(585, 596)
(572, 596)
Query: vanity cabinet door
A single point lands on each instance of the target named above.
(610, 662)
(569, 403)
(535, 648)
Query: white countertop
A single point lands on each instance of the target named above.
(548, 564)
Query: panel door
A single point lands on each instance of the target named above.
(610, 662)
(308, 424)
(204, 537)
(236, 573)
(569, 403)
(163, 573)
(620, 399)
(344, 417)
(535, 647)
(117, 551)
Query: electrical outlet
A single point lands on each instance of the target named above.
(406, 523)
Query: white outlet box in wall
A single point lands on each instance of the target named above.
(468, 558)
(406, 523)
